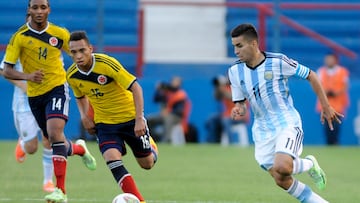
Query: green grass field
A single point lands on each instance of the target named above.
(188, 174)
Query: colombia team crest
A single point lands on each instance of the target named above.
(102, 79)
(53, 41)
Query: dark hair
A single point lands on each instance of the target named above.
(48, 3)
(79, 35)
(247, 30)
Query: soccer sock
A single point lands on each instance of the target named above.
(304, 193)
(124, 178)
(22, 145)
(59, 161)
(48, 165)
(75, 149)
(301, 165)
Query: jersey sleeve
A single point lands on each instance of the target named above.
(12, 50)
(122, 76)
(236, 91)
(66, 41)
(291, 67)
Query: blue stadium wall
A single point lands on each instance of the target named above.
(197, 77)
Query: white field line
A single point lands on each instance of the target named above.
(105, 201)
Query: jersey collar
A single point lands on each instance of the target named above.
(38, 32)
(91, 69)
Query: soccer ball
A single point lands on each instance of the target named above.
(126, 198)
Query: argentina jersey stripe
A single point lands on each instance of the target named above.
(273, 89)
(302, 71)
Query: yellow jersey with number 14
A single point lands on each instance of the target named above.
(40, 50)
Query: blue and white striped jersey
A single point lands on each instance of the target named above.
(267, 90)
(20, 101)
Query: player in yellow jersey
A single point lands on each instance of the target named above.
(38, 45)
(117, 101)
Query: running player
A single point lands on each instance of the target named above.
(262, 79)
(39, 44)
(28, 130)
(117, 101)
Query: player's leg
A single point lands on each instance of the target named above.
(144, 147)
(27, 130)
(113, 148)
(288, 147)
(48, 185)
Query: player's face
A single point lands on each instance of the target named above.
(244, 49)
(81, 53)
(39, 11)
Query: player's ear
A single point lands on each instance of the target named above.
(91, 48)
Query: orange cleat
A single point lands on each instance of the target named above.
(49, 186)
(19, 153)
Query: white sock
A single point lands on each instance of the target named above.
(22, 145)
(301, 165)
(48, 165)
(304, 193)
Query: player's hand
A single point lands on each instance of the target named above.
(140, 127)
(236, 113)
(89, 125)
(36, 76)
(330, 115)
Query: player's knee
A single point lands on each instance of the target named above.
(282, 169)
(31, 148)
(147, 165)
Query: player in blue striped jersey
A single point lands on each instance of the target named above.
(262, 79)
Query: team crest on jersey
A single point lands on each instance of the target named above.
(268, 75)
(53, 41)
(102, 79)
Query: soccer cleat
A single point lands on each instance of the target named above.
(154, 148)
(87, 158)
(56, 197)
(20, 155)
(49, 186)
(316, 173)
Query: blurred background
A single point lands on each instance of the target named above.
(158, 40)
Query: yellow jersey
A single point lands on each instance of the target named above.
(40, 51)
(106, 86)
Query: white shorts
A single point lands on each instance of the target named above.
(288, 141)
(26, 125)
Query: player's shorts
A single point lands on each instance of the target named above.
(53, 104)
(26, 125)
(288, 141)
(116, 135)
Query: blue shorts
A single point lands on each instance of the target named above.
(116, 135)
(53, 104)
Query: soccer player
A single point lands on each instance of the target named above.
(117, 102)
(28, 131)
(262, 79)
(39, 44)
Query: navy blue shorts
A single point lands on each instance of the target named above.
(116, 135)
(53, 104)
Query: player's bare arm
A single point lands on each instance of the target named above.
(12, 74)
(140, 128)
(327, 113)
(239, 110)
(88, 123)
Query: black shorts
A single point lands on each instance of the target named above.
(53, 104)
(116, 135)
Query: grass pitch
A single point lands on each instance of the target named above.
(187, 174)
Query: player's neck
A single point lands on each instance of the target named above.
(38, 26)
(257, 60)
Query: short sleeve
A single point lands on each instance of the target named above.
(236, 91)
